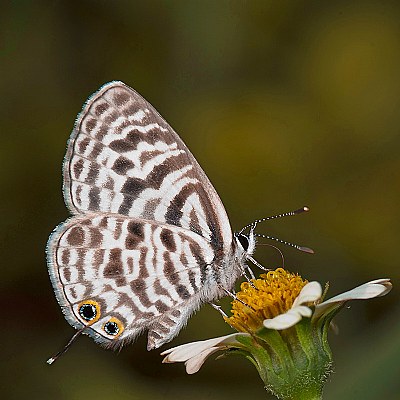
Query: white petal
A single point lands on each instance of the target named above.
(311, 292)
(195, 363)
(288, 319)
(303, 311)
(383, 281)
(186, 351)
(376, 288)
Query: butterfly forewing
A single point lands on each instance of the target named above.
(124, 158)
(150, 239)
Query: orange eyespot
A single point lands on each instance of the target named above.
(89, 311)
(113, 327)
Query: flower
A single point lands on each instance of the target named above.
(277, 301)
(282, 326)
(194, 354)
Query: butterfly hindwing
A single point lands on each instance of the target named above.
(119, 276)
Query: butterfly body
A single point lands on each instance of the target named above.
(149, 240)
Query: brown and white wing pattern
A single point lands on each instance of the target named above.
(124, 158)
(118, 276)
(149, 240)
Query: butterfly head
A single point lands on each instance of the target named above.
(246, 242)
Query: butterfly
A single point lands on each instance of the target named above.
(149, 240)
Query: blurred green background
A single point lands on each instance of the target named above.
(284, 104)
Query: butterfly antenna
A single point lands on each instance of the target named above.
(286, 214)
(301, 248)
(66, 347)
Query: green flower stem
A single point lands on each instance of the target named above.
(292, 363)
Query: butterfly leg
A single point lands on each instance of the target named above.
(219, 309)
(257, 264)
(251, 273)
(249, 279)
(234, 297)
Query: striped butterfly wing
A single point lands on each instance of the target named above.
(124, 158)
(125, 167)
(118, 276)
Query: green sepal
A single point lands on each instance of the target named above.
(293, 363)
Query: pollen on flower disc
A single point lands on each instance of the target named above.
(264, 298)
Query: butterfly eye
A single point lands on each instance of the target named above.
(89, 311)
(113, 327)
(244, 241)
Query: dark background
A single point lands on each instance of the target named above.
(284, 104)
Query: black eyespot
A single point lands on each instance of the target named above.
(88, 312)
(244, 241)
(111, 328)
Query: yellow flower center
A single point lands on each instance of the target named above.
(271, 295)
